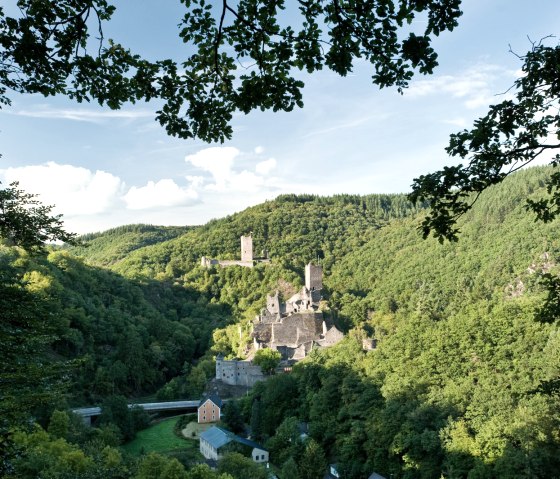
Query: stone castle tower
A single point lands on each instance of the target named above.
(313, 277)
(247, 248)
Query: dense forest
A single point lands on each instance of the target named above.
(461, 383)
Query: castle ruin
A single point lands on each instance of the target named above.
(296, 326)
(247, 258)
(237, 373)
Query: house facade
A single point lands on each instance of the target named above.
(210, 409)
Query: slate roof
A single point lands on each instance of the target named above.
(247, 442)
(218, 437)
(214, 398)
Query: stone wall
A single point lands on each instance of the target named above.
(313, 277)
(247, 248)
(238, 373)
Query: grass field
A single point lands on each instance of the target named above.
(160, 438)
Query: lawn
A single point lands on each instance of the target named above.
(160, 438)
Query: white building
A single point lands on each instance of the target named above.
(214, 441)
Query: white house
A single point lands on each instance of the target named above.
(214, 440)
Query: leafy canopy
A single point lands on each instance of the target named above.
(25, 222)
(243, 55)
(513, 134)
(268, 359)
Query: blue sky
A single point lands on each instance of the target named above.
(105, 168)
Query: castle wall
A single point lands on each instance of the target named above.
(238, 373)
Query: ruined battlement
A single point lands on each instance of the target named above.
(247, 259)
(296, 326)
(238, 373)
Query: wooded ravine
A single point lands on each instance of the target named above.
(462, 383)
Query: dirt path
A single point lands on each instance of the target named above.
(193, 429)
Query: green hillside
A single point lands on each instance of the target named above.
(130, 337)
(294, 229)
(462, 383)
(501, 249)
(108, 247)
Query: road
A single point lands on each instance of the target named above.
(148, 406)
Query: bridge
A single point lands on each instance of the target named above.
(88, 412)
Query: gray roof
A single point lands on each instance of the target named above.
(216, 437)
(247, 442)
(214, 398)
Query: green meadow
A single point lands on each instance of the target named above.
(160, 438)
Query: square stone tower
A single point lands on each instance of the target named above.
(247, 248)
(313, 277)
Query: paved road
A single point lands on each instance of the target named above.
(149, 406)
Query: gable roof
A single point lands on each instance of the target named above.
(247, 442)
(214, 398)
(216, 437)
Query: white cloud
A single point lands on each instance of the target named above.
(164, 193)
(217, 161)
(73, 190)
(246, 181)
(259, 150)
(195, 181)
(82, 114)
(266, 166)
(476, 85)
(93, 200)
(220, 163)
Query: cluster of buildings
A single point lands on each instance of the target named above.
(293, 328)
(296, 326)
(216, 441)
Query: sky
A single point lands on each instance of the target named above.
(103, 168)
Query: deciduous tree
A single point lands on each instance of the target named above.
(247, 54)
(267, 359)
(25, 222)
(513, 134)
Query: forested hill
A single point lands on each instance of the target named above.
(501, 252)
(459, 385)
(136, 331)
(464, 380)
(113, 245)
(294, 229)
